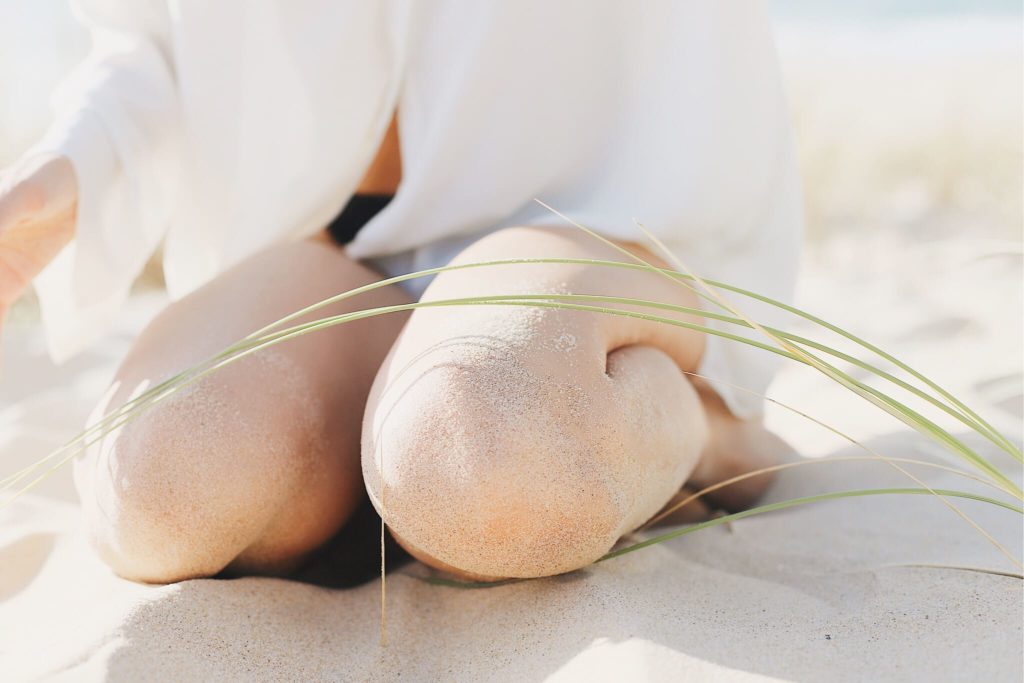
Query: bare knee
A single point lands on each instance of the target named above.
(509, 465)
(185, 488)
(484, 475)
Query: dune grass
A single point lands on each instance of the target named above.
(794, 347)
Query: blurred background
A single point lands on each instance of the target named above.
(908, 117)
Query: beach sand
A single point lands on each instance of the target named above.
(833, 591)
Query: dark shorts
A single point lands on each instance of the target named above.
(357, 213)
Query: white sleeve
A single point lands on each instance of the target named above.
(118, 121)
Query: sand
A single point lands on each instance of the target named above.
(839, 591)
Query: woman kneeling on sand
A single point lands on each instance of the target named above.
(495, 441)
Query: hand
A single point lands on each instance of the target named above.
(38, 201)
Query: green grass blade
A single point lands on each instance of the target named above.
(793, 502)
(969, 417)
(983, 428)
(902, 412)
(761, 509)
(892, 407)
(255, 344)
(707, 293)
(853, 360)
(250, 345)
(104, 423)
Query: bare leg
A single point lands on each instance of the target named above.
(518, 442)
(257, 464)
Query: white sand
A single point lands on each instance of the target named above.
(829, 592)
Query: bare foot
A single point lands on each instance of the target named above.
(734, 447)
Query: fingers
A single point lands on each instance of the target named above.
(38, 203)
(40, 188)
(19, 204)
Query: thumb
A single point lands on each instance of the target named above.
(3, 316)
(38, 184)
(17, 202)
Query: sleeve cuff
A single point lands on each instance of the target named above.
(79, 292)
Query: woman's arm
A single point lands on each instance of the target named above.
(106, 172)
(37, 216)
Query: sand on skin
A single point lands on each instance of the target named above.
(834, 591)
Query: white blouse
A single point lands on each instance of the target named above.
(218, 128)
